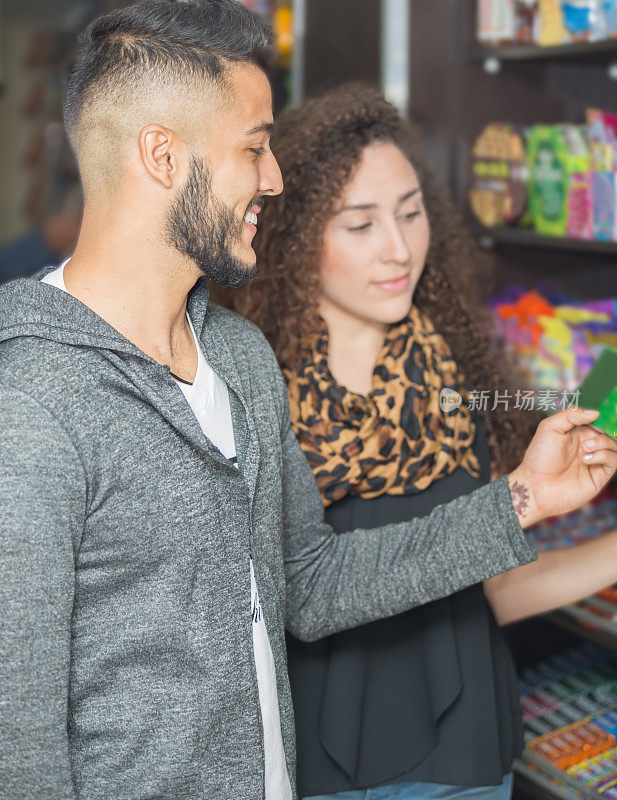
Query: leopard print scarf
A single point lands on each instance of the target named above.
(396, 440)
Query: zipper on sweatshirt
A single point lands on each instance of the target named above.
(252, 656)
(251, 649)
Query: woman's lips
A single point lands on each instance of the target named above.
(395, 285)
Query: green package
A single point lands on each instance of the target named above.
(599, 390)
(547, 159)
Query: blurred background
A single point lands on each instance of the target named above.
(517, 105)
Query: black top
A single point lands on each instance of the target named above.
(429, 695)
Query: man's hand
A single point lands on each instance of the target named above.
(566, 464)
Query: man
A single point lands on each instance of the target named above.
(140, 564)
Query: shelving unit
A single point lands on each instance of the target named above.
(453, 98)
(520, 70)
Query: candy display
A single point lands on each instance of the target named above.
(570, 172)
(545, 22)
(554, 340)
(569, 705)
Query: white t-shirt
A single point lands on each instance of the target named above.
(209, 399)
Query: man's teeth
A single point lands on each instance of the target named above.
(250, 217)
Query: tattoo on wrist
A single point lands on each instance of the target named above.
(520, 497)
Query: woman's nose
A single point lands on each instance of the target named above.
(396, 248)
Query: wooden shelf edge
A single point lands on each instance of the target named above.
(522, 237)
(603, 50)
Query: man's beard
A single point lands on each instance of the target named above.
(202, 228)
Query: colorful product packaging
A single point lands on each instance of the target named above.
(526, 21)
(570, 715)
(553, 341)
(580, 200)
(545, 22)
(602, 163)
(495, 22)
(584, 20)
(498, 186)
(598, 773)
(547, 161)
(552, 29)
(573, 744)
(609, 8)
(566, 175)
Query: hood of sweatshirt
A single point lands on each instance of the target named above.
(31, 308)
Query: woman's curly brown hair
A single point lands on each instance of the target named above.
(318, 145)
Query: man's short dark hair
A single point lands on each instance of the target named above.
(186, 41)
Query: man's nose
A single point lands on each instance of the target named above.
(270, 179)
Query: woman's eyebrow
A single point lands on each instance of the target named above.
(407, 195)
(360, 207)
(369, 206)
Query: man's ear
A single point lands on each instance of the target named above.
(158, 148)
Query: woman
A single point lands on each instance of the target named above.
(370, 325)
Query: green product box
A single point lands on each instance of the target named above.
(547, 160)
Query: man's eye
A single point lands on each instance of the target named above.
(360, 227)
(259, 151)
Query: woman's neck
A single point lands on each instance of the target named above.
(354, 345)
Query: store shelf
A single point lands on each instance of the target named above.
(521, 237)
(576, 620)
(604, 51)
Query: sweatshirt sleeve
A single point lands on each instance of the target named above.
(339, 581)
(42, 509)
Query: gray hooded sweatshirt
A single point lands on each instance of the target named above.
(126, 661)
